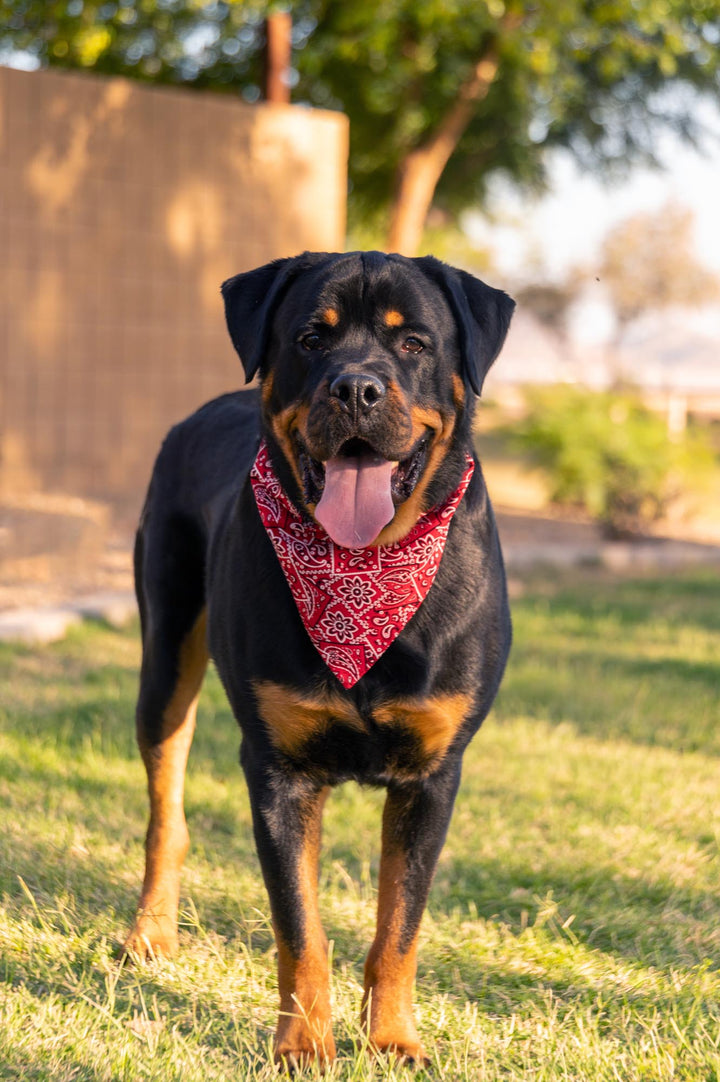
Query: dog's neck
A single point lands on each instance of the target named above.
(353, 602)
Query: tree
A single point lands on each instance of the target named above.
(549, 302)
(648, 263)
(441, 94)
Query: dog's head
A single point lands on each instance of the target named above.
(369, 367)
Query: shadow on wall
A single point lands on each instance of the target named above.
(124, 209)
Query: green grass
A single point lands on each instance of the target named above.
(573, 930)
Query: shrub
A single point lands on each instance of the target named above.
(610, 455)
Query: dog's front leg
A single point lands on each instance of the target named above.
(287, 815)
(415, 822)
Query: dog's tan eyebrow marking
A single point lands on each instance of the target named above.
(393, 318)
(331, 316)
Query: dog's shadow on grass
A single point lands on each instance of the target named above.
(611, 912)
(649, 924)
(189, 993)
(614, 914)
(531, 690)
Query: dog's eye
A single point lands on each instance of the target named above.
(311, 341)
(412, 345)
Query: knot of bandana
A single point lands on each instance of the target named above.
(353, 602)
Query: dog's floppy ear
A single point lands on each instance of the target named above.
(482, 313)
(250, 302)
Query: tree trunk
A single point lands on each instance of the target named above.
(278, 30)
(421, 170)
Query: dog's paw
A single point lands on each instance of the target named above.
(299, 1044)
(151, 938)
(412, 1055)
(405, 1047)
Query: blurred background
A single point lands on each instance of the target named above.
(567, 152)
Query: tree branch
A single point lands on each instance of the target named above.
(422, 168)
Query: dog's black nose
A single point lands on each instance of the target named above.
(358, 391)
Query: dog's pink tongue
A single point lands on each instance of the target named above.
(356, 502)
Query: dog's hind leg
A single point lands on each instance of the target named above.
(170, 593)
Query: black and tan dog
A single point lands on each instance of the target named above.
(369, 367)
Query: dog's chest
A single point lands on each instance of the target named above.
(400, 737)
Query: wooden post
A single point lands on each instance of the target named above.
(277, 57)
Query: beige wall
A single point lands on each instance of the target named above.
(122, 209)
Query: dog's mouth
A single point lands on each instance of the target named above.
(356, 491)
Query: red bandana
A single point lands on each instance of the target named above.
(353, 602)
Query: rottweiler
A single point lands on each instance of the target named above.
(328, 539)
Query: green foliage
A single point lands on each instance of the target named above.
(202, 44)
(582, 74)
(610, 455)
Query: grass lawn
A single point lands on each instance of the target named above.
(573, 930)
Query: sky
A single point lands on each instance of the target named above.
(546, 238)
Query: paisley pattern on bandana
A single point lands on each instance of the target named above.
(353, 602)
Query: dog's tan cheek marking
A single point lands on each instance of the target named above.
(294, 416)
(393, 318)
(434, 721)
(266, 391)
(304, 1028)
(458, 392)
(155, 928)
(401, 413)
(292, 718)
(409, 512)
(302, 414)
